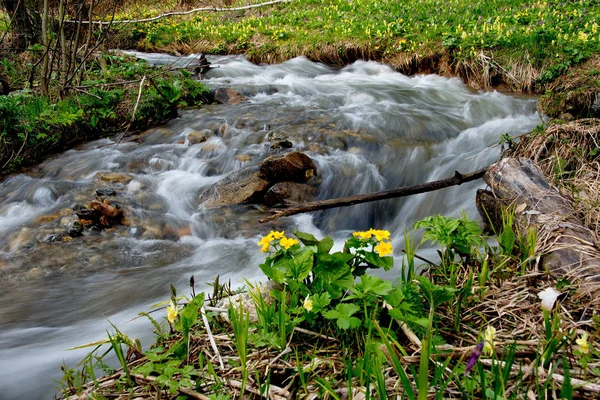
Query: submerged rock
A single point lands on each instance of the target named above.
(288, 192)
(228, 96)
(111, 177)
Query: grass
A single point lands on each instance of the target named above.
(421, 338)
(525, 42)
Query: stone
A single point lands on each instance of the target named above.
(291, 167)
(105, 192)
(244, 186)
(196, 137)
(288, 192)
(282, 144)
(228, 96)
(245, 299)
(105, 209)
(111, 177)
(75, 229)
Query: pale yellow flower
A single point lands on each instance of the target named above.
(308, 304)
(172, 312)
(286, 243)
(582, 343)
(489, 337)
(383, 249)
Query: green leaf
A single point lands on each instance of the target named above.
(276, 271)
(372, 285)
(380, 262)
(301, 265)
(306, 238)
(435, 294)
(343, 314)
(325, 245)
(320, 301)
(507, 240)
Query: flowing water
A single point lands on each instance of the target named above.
(367, 128)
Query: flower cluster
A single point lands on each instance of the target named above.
(268, 241)
(382, 248)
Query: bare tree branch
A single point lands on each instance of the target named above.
(176, 13)
(457, 179)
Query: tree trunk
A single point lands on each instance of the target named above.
(26, 24)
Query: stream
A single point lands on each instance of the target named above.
(366, 127)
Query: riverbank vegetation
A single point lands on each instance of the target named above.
(483, 322)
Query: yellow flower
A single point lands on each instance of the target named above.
(489, 337)
(363, 235)
(277, 235)
(308, 304)
(286, 243)
(582, 342)
(380, 235)
(582, 36)
(383, 249)
(172, 312)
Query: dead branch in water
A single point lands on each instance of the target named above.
(176, 13)
(457, 179)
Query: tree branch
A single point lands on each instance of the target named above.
(175, 13)
(457, 179)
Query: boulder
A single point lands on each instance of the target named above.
(291, 167)
(105, 209)
(244, 186)
(288, 192)
(228, 96)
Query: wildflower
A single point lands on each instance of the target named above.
(489, 337)
(474, 357)
(277, 235)
(308, 304)
(380, 235)
(383, 249)
(582, 343)
(363, 235)
(582, 36)
(286, 243)
(548, 297)
(172, 312)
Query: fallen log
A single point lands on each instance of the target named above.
(457, 179)
(567, 248)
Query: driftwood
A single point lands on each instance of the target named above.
(567, 248)
(457, 179)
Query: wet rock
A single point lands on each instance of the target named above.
(24, 238)
(228, 96)
(88, 214)
(291, 167)
(105, 209)
(244, 186)
(111, 177)
(288, 192)
(282, 144)
(105, 192)
(243, 157)
(195, 137)
(75, 229)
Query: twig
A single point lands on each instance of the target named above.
(211, 338)
(407, 331)
(457, 179)
(134, 110)
(176, 13)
